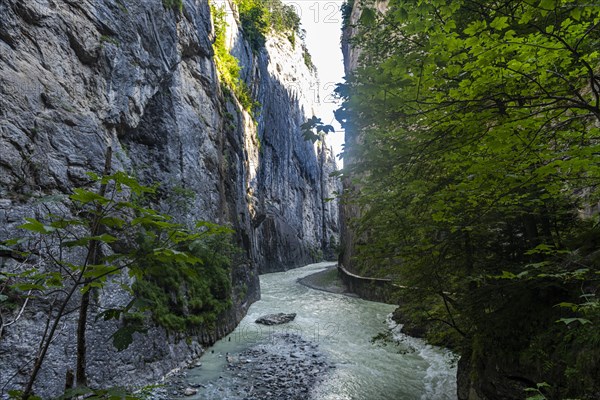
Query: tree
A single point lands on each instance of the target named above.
(98, 235)
(478, 125)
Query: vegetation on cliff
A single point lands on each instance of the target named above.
(258, 17)
(176, 5)
(478, 168)
(91, 240)
(227, 65)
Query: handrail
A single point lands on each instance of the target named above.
(365, 278)
(345, 271)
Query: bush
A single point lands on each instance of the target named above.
(183, 296)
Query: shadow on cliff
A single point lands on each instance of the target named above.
(292, 225)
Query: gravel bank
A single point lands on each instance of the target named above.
(286, 367)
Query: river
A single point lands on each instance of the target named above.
(343, 327)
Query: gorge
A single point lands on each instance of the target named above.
(138, 76)
(157, 156)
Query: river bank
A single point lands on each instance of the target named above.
(327, 353)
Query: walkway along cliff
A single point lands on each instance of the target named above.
(139, 75)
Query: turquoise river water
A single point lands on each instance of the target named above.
(343, 328)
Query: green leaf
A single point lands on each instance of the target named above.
(122, 178)
(506, 275)
(499, 23)
(105, 238)
(112, 313)
(65, 223)
(76, 392)
(542, 249)
(123, 337)
(537, 396)
(34, 225)
(571, 306)
(25, 286)
(18, 394)
(86, 196)
(368, 17)
(93, 176)
(85, 241)
(81, 242)
(576, 13)
(12, 242)
(113, 222)
(568, 321)
(547, 5)
(99, 271)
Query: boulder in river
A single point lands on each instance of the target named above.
(276, 319)
(190, 391)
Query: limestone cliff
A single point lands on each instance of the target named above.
(287, 184)
(78, 76)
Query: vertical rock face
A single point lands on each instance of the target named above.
(288, 182)
(293, 223)
(78, 76)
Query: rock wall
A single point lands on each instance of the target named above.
(293, 225)
(78, 76)
(288, 176)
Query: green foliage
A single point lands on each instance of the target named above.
(180, 272)
(308, 59)
(258, 17)
(18, 394)
(176, 5)
(316, 253)
(109, 39)
(536, 393)
(228, 66)
(283, 18)
(313, 124)
(346, 10)
(475, 144)
(254, 16)
(184, 297)
(113, 393)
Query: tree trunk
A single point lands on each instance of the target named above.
(94, 258)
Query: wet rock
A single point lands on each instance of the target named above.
(279, 369)
(190, 391)
(276, 319)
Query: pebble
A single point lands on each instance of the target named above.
(287, 367)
